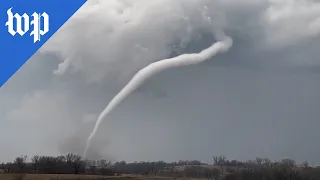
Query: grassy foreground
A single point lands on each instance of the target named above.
(78, 177)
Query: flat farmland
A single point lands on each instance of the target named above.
(80, 177)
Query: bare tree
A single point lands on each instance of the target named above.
(20, 163)
(219, 160)
(266, 162)
(288, 163)
(75, 162)
(215, 160)
(305, 165)
(92, 165)
(259, 160)
(35, 162)
(102, 163)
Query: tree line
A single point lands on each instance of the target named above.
(222, 168)
(74, 164)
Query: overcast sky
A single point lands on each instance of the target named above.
(261, 98)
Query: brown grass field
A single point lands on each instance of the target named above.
(9, 176)
(82, 177)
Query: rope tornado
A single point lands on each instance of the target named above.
(141, 76)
